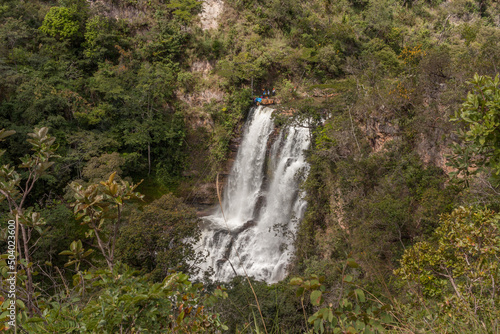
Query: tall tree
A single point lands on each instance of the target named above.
(16, 187)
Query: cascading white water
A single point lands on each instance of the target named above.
(262, 204)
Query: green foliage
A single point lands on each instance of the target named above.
(37, 164)
(400, 205)
(157, 80)
(161, 238)
(108, 300)
(62, 23)
(101, 300)
(86, 145)
(371, 205)
(121, 300)
(330, 59)
(76, 254)
(278, 303)
(98, 168)
(480, 116)
(60, 225)
(168, 38)
(117, 86)
(227, 117)
(100, 39)
(379, 52)
(459, 265)
(16, 188)
(111, 81)
(101, 207)
(353, 312)
(184, 10)
(460, 257)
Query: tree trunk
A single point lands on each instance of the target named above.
(149, 158)
(29, 282)
(102, 247)
(115, 234)
(482, 7)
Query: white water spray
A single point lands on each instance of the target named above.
(262, 203)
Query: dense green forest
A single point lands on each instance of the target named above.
(117, 116)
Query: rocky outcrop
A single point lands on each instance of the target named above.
(202, 66)
(432, 144)
(379, 131)
(210, 14)
(136, 13)
(200, 98)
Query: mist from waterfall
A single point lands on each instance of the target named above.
(262, 203)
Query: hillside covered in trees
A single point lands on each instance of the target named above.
(117, 116)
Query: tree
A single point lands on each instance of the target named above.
(185, 10)
(480, 118)
(161, 237)
(100, 206)
(66, 22)
(459, 263)
(61, 22)
(15, 187)
(155, 87)
(100, 167)
(100, 39)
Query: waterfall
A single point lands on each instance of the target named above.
(262, 203)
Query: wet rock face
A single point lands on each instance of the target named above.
(205, 194)
(220, 234)
(246, 226)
